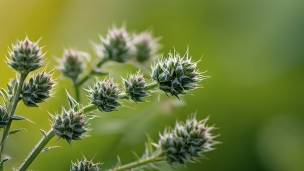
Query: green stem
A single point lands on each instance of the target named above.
(11, 112)
(98, 65)
(89, 108)
(36, 151)
(140, 163)
(77, 91)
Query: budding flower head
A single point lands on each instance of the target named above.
(145, 46)
(104, 94)
(25, 56)
(135, 87)
(187, 141)
(85, 165)
(176, 75)
(72, 63)
(4, 118)
(38, 89)
(116, 46)
(70, 125)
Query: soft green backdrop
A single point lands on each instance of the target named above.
(252, 49)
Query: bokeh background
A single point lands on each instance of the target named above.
(252, 49)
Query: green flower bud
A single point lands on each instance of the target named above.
(4, 118)
(135, 87)
(85, 165)
(25, 56)
(187, 141)
(104, 94)
(38, 89)
(145, 46)
(176, 75)
(70, 125)
(116, 46)
(72, 63)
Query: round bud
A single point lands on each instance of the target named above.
(25, 56)
(104, 94)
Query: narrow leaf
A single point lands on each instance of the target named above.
(72, 102)
(15, 131)
(149, 143)
(4, 160)
(20, 118)
(49, 148)
(136, 156)
(43, 132)
(4, 94)
(118, 162)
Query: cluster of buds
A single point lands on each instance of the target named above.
(70, 125)
(118, 45)
(4, 117)
(176, 75)
(105, 95)
(187, 141)
(85, 165)
(26, 56)
(145, 46)
(135, 87)
(38, 89)
(73, 63)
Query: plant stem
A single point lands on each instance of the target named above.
(140, 163)
(11, 112)
(98, 65)
(77, 91)
(89, 108)
(36, 151)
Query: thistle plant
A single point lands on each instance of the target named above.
(173, 74)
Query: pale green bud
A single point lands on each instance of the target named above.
(70, 125)
(116, 46)
(176, 75)
(25, 56)
(38, 89)
(187, 141)
(145, 46)
(104, 94)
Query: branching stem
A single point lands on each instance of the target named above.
(78, 84)
(11, 112)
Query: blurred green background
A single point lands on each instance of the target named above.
(252, 49)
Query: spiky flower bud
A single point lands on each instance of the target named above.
(135, 87)
(38, 89)
(176, 75)
(4, 118)
(187, 141)
(70, 125)
(145, 46)
(72, 63)
(85, 165)
(25, 56)
(104, 94)
(116, 46)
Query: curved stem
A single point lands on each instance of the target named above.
(140, 163)
(98, 65)
(36, 151)
(11, 112)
